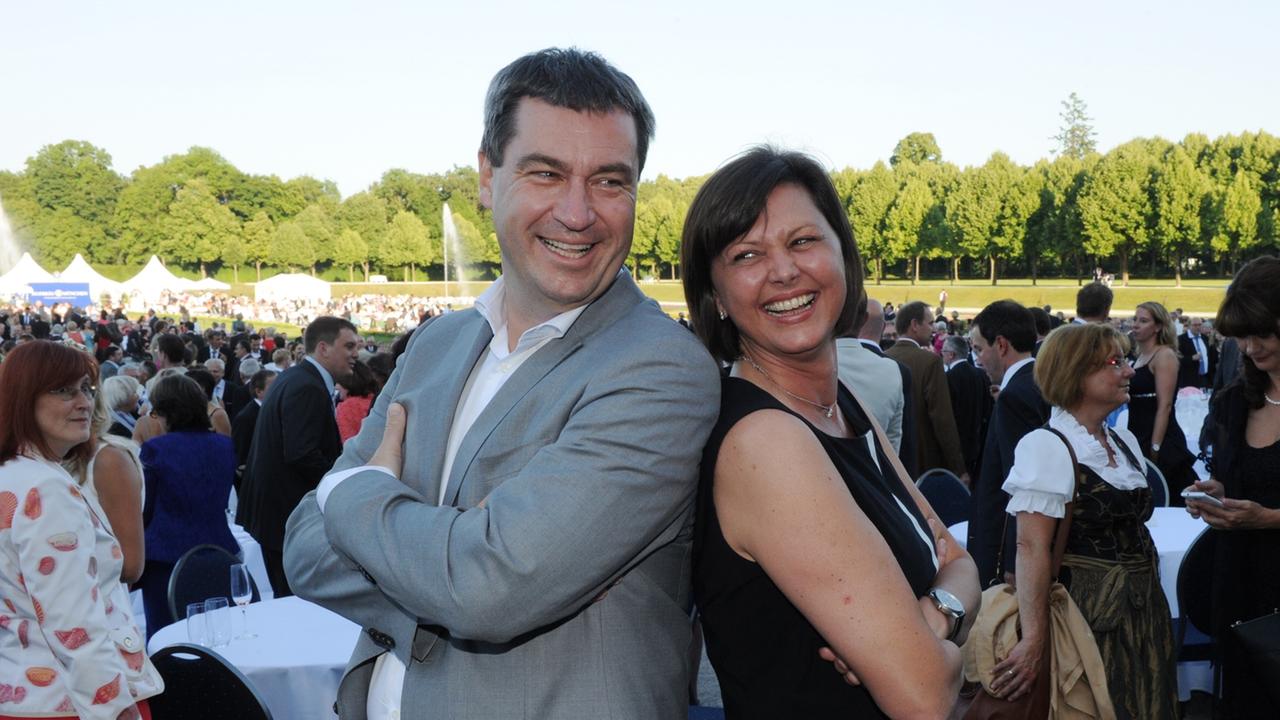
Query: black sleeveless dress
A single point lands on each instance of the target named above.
(1175, 461)
(764, 651)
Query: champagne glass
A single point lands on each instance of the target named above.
(242, 593)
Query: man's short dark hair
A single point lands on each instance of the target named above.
(259, 380)
(172, 347)
(727, 206)
(325, 329)
(1094, 301)
(1007, 319)
(566, 78)
(255, 336)
(1043, 321)
(907, 314)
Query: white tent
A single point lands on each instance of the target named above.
(80, 272)
(292, 286)
(209, 284)
(154, 279)
(25, 272)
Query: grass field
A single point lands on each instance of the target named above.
(1199, 297)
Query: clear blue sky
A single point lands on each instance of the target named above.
(345, 91)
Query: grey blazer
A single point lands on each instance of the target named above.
(588, 456)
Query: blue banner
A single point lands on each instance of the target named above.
(53, 293)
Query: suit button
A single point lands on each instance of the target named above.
(381, 639)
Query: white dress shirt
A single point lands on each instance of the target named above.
(495, 366)
(1013, 370)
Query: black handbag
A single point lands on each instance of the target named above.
(1259, 640)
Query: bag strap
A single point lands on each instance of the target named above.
(1063, 526)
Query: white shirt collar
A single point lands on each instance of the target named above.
(1013, 369)
(871, 344)
(1091, 453)
(954, 363)
(911, 340)
(490, 306)
(324, 375)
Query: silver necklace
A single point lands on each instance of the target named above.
(827, 410)
(1264, 395)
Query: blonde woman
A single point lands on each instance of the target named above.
(1152, 394)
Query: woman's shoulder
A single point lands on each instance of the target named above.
(23, 473)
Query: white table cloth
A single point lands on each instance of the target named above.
(296, 659)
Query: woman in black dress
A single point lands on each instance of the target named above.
(1152, 394)
(810, 540)
(1246, 476)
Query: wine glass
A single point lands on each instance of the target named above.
(242, 593)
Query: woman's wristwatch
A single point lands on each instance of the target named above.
(950, 606)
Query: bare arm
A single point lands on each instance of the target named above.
(118, 480)
(1164, 366)
(221, 424)
(1015, 674)
(792, 513)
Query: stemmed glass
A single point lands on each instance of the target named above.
(242, 593)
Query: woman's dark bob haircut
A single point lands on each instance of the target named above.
(1251, 308)
(181, 402)
(727, 207)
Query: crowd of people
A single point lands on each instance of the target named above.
(561, 485)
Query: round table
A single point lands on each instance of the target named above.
(296, 659)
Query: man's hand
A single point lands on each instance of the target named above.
(390, 453)
(830, 656)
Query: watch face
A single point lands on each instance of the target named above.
(948, 601)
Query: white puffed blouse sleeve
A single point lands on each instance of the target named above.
(1042, 479)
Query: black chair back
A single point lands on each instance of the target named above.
(202, 572)
(946, 494)
(1195, 581)
(1159, 486)
(200, 684)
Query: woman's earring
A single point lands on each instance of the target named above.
(723, 315)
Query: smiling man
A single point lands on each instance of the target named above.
(512, 526)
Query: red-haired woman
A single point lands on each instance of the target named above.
(68, 644)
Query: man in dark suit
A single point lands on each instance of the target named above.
(215, 347)
(1198, 358)
(296, 439)
(937, 442)
(970, 400)
(246, 420)
(1003, 336)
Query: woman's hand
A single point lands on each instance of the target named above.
(1212, 487)
(830, 656)
(1237, 515)
(1015, 675)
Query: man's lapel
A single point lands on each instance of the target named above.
(440, 400)
(620, 296)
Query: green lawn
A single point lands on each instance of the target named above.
(1199, 297)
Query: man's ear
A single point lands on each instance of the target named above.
(486, 179)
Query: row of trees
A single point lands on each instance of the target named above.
(1175, 206)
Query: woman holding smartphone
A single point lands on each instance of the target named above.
(1246, 479)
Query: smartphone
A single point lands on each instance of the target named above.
(1201, 496)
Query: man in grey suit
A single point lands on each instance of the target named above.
(512, 526)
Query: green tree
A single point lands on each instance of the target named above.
(290, 247)
(1241, 206)
(1178, 193)
(904, 223)
(1115, 204)
(366, 214)
(1076, 138)
(348, 250)
(198, 226)
(77, 177)
(918, 147)
(989, 209)
(259, 234)
(234, 253)
(317, 222)
(870, 196)
(407, 244)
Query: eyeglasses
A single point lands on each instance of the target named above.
(1116, 362)
(68, 393)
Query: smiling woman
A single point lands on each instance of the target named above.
(808, 529)
(70, 646)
